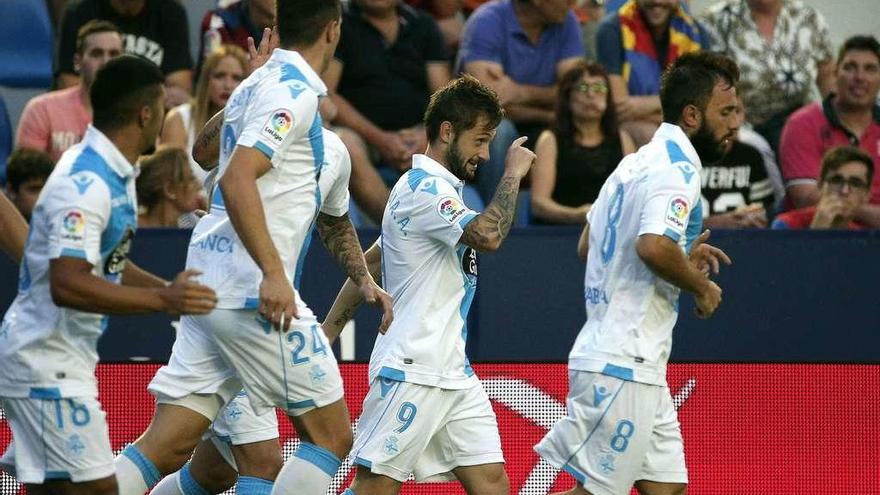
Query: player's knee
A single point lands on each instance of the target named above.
(105, 486)
(339, 442)
(216, 479)
(497, 483)
(263, 460)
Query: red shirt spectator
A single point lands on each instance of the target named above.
(802, 218)
(814, 129)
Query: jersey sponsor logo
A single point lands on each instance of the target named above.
(278, 125)
(73, 225)
(450, 209)
(595, 295)
(214, 242)
(677, 211)
(116, 261)
(469, 262)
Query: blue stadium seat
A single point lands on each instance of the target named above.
(25, 44)
(5, 141)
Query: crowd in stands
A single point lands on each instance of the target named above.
(580, 80)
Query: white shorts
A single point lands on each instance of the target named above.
(228, 349)
(615, 433)
(238, 424)
(427, 431)
(57, 439)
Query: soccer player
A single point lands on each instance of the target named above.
(643, 246)
(252, 246)
(240, 441)
(74, 272)
(426, 412)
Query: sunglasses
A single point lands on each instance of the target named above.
(597, 88)
(854, 183)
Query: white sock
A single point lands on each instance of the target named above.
(168, 486)
(135, 474)
(308, 472)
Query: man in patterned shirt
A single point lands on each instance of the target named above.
(781, 47)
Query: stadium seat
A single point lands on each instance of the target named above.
(5, 140)
(25, 44)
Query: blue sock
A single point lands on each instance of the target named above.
(249, 485)
(348, 491)
(188, 484)
(134, 472)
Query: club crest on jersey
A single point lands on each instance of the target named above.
(450, 209)
(278, 125)
(677, 212)
(73, 225)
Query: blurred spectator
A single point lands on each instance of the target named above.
(232, 24)
(585, 146)
(166, 188)
(519, 48)
(449, 17)
(846, 177)
(590, 15)
(636, 43)
(26, 174)
(154, 29)
(737, 194)
(782, 47)
(850, 116)
(222, 72)
(57, 120)
(389, 60)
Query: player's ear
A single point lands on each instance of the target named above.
(145, 116)
(447, 134)
(691, 117)
(77, 60)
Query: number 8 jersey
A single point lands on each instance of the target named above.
(630, 310)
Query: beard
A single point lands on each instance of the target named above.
(709, 149)
(457, 164)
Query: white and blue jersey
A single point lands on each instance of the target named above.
(630, 310)
(275, 110)
(87, 210)
(431, 278)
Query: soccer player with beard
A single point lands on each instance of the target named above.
(621, 428)
(426, 412)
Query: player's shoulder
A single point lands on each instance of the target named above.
(426, 187)
(81, 178)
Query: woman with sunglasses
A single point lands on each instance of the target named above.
(580, 152)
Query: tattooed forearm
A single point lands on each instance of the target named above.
(206, 147)
(341, 240)
(486, 232)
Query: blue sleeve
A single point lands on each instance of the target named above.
(609, 45)
(482, 38)
(572, 43)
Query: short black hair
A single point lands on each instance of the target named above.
(690, 81)
(92, 27)
(859, 42)
(26, 164)
(121, 88)
(462, 102)
(301, 22)
(837, 157)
